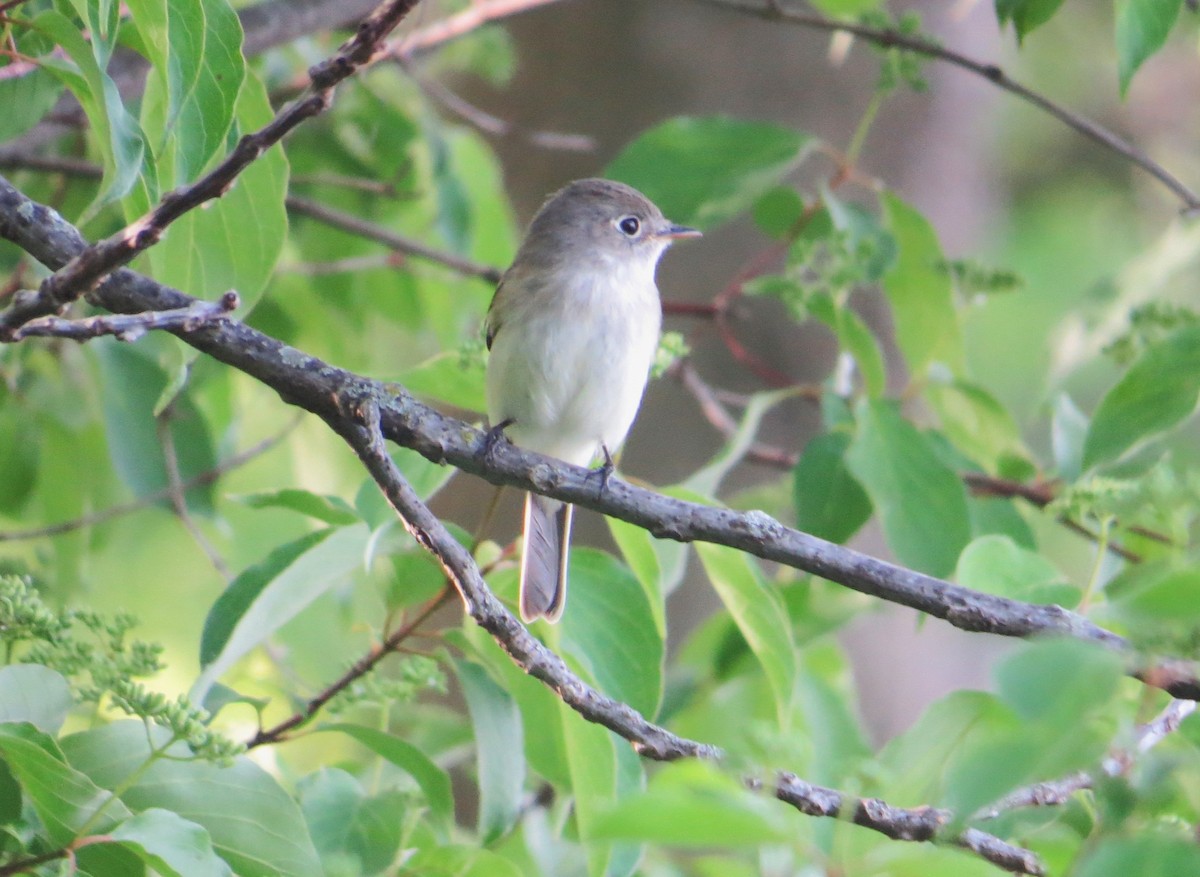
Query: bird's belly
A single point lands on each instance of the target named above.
(570, 385)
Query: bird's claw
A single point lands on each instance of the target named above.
(492, 439)
(604, 471)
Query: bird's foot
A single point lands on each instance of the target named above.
(493, 438)
(604, 471)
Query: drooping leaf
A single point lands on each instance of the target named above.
(1142, 29)
(1026, 15)
(610, 630)
(997, 565)
(1158, 392)
(499, 749)
(756, 610)
(703, 171)
(195, 48)
(920, 292)
(921, 502)
(592, 762)
(65, 800)
(829, 502)
(266, 596)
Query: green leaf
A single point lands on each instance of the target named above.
(637, 547)
(756, 610)
(1158, 392)
(121, 142)
(35, 694)
(1026, 15)
(846, 8)
(499, 749)
(921, 503)
(975, 422)
(450, 378)
(323, 507)
(592, 762)
(1059, 680)
(920, 292)
(611, 631)
(254, 824)
(997, 565)
(266, 596)
(26, 98)
(432, 780)
(778, 211)
(235, 241)
(1068, 431)
(1142, 29)
(829, 502)
(195, 48)
(702, 171)
(66, 801)
(171, 845)
(133, 382)
(859, 341)
(691, 804)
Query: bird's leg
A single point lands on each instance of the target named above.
(604, 471)
(492, 439)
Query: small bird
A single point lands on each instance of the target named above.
(573, 329)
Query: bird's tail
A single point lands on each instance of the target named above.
(544, 560)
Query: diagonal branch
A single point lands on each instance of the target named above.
(93, 263)
(309, 383)
(360, 426)
(890, 38)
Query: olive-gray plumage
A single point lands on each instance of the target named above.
(572, 330)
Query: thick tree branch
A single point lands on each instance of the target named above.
(889, 38)
(89, 266)
(309, 383)
(360, 425)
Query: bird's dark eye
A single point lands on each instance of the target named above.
(629, 225)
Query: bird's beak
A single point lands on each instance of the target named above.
(678, 231)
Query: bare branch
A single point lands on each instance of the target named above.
(126, 327)
(889, 38)
(361, 668)
(91, 265)
(399, 243)
(307, 382)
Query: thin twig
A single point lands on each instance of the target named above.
(117, 511)
(85, 270)
(361, 668)
(356, 225)
(297, 204)
(1056, 792)
(128, 327)
(889, 38)
(460, 24)
(489, 124)
(177, 495)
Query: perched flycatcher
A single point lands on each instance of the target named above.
(572, 330)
